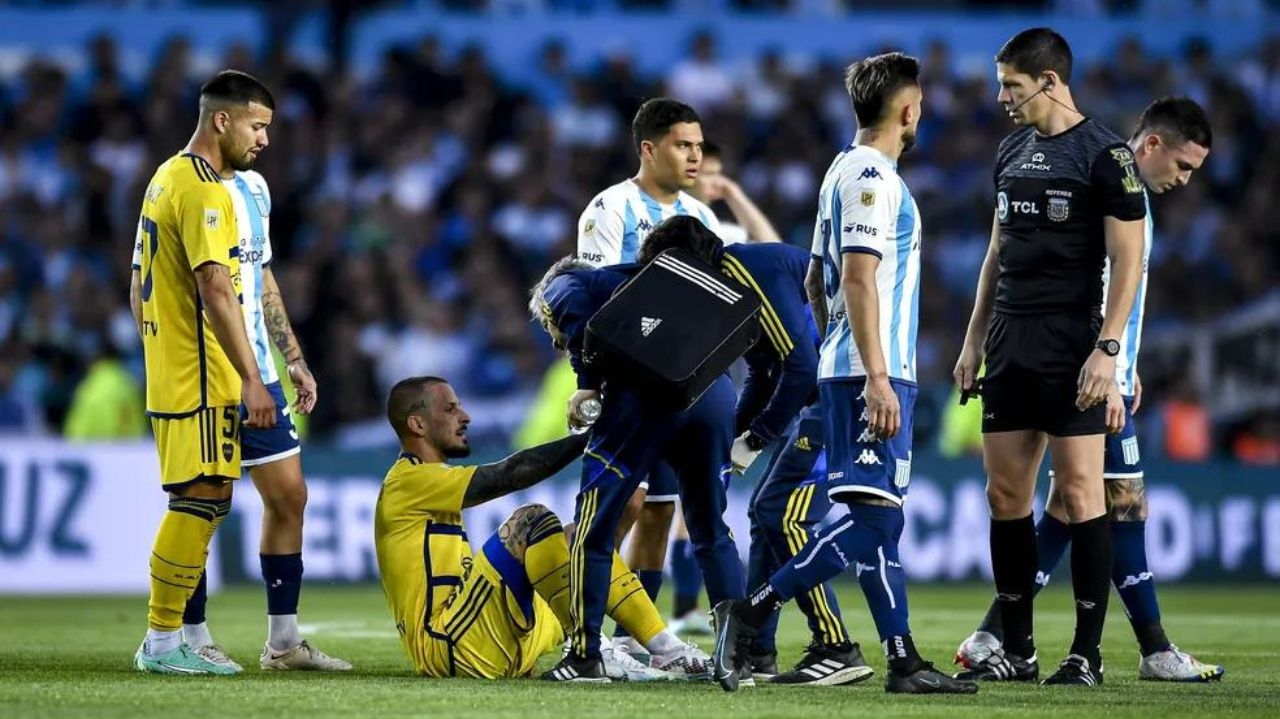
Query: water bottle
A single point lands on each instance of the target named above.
(588, 412)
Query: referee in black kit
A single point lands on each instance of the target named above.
(1068, 198)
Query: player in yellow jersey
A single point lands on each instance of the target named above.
(494, 613)
(200, 365)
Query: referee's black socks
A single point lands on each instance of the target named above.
(1091, 558)
(1014, 564)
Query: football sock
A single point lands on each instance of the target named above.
(630, 606)
(1013, 562)
(546, 562)
(1136, 586)
(196, 635)
(283, 576)
(686, 576)
(1091, 561)
(178, 556)
(194, 613)
(651, 580)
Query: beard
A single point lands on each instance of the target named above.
(240, 163)
(458, 451)
(908, 141)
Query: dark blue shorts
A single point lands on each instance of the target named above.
(264, 446)
(856, 462)
(1122, 459)
(662, 484)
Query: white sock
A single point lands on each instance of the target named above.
(664, 642)
(197, 635)
(158, 642)
(282, 631)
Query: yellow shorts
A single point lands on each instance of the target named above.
(205, 445)
(486, 630)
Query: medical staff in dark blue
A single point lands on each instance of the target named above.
(792, 499)
(629, 435)
(866, 249)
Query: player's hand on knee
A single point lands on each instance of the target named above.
(1097, 377)
(261, 406)
(1115, 411)
(883, 412)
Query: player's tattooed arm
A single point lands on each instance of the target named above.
(815, 288)
(278, 319)
(523, 469)
(1127, 499)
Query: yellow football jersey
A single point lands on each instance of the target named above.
(187, 220)
(421, 545)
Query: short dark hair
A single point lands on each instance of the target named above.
(406, 397)
(711, 149)
(656, 116)
(239, 88)
(873, 81)
(1037, 50)
(683, 231)
(1176, 120)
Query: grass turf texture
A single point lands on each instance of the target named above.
(72, 657)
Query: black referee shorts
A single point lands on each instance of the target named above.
(1032, 374)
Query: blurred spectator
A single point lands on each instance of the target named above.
(413, 206)
(108, 403)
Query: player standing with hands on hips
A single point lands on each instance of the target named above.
(1068, 200)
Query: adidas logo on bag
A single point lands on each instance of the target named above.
(648, 325)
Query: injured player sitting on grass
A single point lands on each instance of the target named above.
(493, 613)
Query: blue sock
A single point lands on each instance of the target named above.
(687, 577)
(1136, 586)
(879, 571)
(651, 580)
(283, 575)
(194, 611)
(1053, 537)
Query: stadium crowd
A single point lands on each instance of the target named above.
(413, 208)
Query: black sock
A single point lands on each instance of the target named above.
(1091, 557)
(1014, 562)
(1151, 638)
(755, 609)
(902, 654)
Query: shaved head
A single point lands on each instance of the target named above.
(409, 397)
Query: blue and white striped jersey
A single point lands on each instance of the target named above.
(612, 228)
(1131, 338)
(864, 206)
(252, 203)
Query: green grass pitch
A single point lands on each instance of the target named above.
(71, 657)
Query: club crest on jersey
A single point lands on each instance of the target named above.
(589, 228)
(1059, 209)
(1002, 206)
(261, 200)
(868, 198)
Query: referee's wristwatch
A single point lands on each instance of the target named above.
(1110, 348)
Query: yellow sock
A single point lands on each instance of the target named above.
(178, 557)
(630, 605)
(546, 560)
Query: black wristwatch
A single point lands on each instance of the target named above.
(755, 442)
(1110, 348)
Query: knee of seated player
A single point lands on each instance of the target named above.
(1126, 500)
(517, 530)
